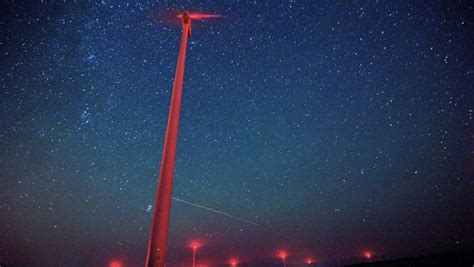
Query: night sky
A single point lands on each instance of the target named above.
(339, 128)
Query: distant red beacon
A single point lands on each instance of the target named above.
(115, 263)
(368, 254)
(282, 254)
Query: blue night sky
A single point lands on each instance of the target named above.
(338, 127)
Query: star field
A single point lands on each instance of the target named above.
(338, 127)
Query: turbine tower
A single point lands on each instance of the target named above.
(159, 228)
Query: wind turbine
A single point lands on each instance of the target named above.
(159, 228)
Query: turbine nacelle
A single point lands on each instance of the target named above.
(186, 18)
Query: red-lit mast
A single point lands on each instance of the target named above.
(159, 228)
(283, 256)
(194, 246)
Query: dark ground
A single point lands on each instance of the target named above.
(454, 259)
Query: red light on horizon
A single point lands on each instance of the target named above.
(309, 260)
(195, 245)
(368, 255)
(233, 262)
(115, 263)
(282, 254)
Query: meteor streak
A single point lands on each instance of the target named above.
(216, 211)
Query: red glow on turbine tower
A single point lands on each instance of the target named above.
(159, 228)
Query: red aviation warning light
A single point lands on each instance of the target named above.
(157, 243)
(195, 245)
(368, 255)
(282, 254)
(115, 263)
(233, 262)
